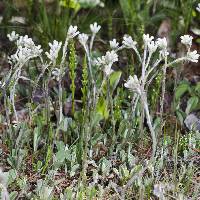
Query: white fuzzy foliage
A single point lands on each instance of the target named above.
(3, 186)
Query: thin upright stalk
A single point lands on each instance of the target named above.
(111, 106)
(60, 100)
(91, 75)
(142, 89)
(149, 122)
(92, 42)
(163, 94)
(60, 80)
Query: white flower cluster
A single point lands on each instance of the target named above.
(114, 44)
(192, 56)
(186, 40)
(83, 38)
(133, 84)
(147, 39)
(107, 61)
(128, 42)
(152, 47)
(198, 7)
(13, 36)
(95, 28)
(72, 32)
(54, 50)
(26, 48)
(162, 45)
(109, 58)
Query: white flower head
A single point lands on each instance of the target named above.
(54, 50)
(152, 46)
(25, 51)
(25, 41)
(21, 55)
(83, 38)
(107, 61)
(13, 36)
(193, 56)
(128, 42)
(95, 28)
(114, 44)
(72, 32)
(186, 40)
(133, 84)
(198, 7)
(162, 43)
(147, 39)
(110, 57)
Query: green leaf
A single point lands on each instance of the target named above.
(13, 195)
(113, 80)
(180, 90)
(70, 4)
(197, 88)
(60, 156)
(192, 104)
(181, 116)
(96, 118)
(102, 107)
(74, 169)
